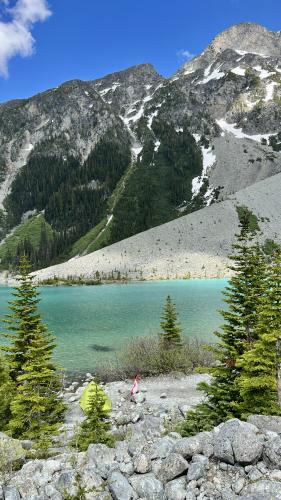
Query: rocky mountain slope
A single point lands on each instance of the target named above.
(106, 159)
(195, 245)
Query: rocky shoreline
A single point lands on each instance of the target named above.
(237, 460)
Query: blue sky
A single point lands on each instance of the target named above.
(86, 39)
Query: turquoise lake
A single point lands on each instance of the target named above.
(91, 323)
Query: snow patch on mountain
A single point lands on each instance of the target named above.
(209, 158)
(238, 71)
(239, 134)
(263, 73)
(269, 91)
(215, 75)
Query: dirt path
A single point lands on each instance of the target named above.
(178, 390)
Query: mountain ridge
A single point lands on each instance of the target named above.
(129, 151)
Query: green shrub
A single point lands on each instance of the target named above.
(11, 456)
(146, 355)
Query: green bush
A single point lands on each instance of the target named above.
(146, 355)
(11, 456)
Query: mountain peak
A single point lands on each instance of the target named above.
(248, 37)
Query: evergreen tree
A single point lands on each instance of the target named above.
(6, 393)
(96, 427)
(36, 409)
(257, 382)
(170, 336)
(243, 297)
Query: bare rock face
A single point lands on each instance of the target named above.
(248, 37)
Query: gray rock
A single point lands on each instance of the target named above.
(11, 493)
(197, 467)
(172, 466)
(207, 441)
(102, 457)
(51, 466)
(254, 474)
(147, 486)
(52, 493)
(120, 487)
(122, 418)
(272, 452)
(266, 423)
(223, 436)
(137, 443)
(223, 466)
(191, 495)
(67, 483)
(142, 463)
(126, 468)
(121, 450)
(237, 441)
(265, 490)
(176, 489)
(26, 444)
(162, 448)
(151, 427)
(91, 480)
(163, 395)
(247, 445)
(274, 475)
(238, 485)
(105, 495)
(187, 447)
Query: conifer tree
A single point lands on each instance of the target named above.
(257, 382)
(96, 427)
(238, 334)
(6, 393)
(36, 409)
(170, 336)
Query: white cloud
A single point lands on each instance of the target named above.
(15, 34)
(185, 55)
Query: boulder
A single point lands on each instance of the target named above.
(187, 447)
(197, 467)
(272, 452)
(247, 445)
(11, 493)
(236, 441)
(162, 448)
(102, 457)
(137, 443)
(266, 423)
(172, 466)
(67, 483)
(263, 490)
(90, 480)
(142, 463)
(120, 487)
(147, 486)
(151, 427)
(176, 489)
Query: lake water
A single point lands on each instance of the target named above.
(92, 322)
